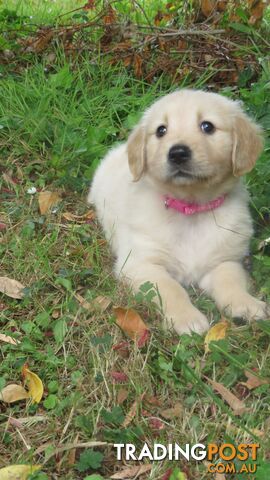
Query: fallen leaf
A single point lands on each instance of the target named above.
(253, 381)
(121, 396)
(33, 383)
(86, 217)
(100, 303)
(122, 348)
(131, 472)
(72, 453)
(3, 226)
(110, 16)
(144, 339)
(26, 422)
(131, 323)
(217, 332)
(13, 393)
(207, 7)
(10, 287)
(257, 9)
(119, 377)
(132, 412)
(138, 61)
(41, 43)
(153, 401)
(18, 472)
(8, 339)
(236, 405)
(156, 424)
(167, 474)
(173, 412)
(90, 5)
(46, 200)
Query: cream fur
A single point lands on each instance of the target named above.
(163, 246)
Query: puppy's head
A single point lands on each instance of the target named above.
(192, 137)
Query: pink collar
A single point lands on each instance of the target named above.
(189, 208)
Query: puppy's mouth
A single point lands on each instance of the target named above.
(189, 175)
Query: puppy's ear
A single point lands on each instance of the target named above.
(247, 144)
(137, 152)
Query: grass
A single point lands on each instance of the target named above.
(56, 124)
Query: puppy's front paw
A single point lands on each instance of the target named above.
(188, 320)
(250, 308)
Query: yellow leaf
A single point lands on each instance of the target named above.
(46, 200)
(217, 332)
(34, 384)
(10, 287)
(13, 393)
(8, 339)
(18, 472)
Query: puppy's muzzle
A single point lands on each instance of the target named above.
(179, 155)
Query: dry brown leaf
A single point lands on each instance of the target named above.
(46, 200)
(130, 322)
(236, 405)
(207, 7)
(132, 412)
(173, 412)
(90, 5)
(110, 16)
(253, 381)
(12, 288)
(86, 217)
(72, 453)
(131, 472)
(8, 339)
(121, 396)
(41, 43)
(13, 393)
(26, 422)
(99, 303)
(138, 61)
(217, 332)
(256, 9)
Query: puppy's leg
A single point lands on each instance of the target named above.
(227, 284)
(178, 310)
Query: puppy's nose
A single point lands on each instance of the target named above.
(179, 154)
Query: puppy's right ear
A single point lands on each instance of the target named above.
(137, 152)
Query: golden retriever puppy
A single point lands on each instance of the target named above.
(173, 206)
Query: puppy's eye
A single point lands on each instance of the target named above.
(161, 131)
(207, 127)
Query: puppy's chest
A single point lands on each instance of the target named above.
(197, 244)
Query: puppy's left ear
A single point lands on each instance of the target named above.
(137, 152)
(247, 144)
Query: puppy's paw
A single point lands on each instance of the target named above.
(250, 309)
(188, 320)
